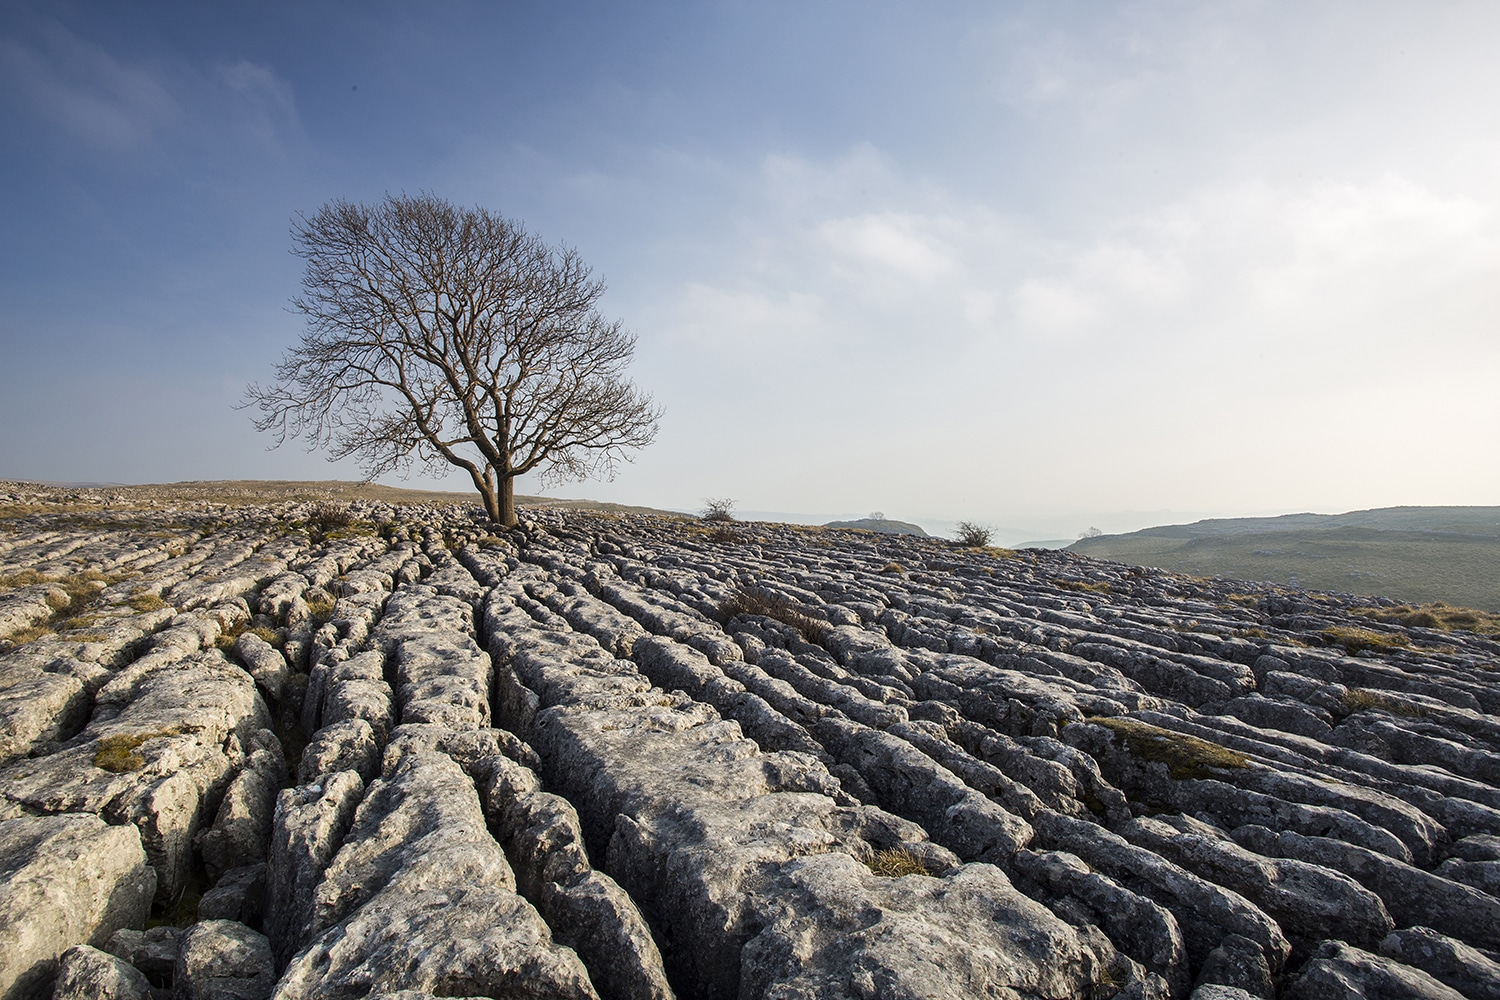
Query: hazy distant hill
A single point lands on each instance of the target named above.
(881, 524)
(1447, 554)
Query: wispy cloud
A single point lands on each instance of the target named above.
(78, 87)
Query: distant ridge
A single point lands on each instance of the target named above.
(1415, 554)
(881, 524)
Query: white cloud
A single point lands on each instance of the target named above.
(899, 242)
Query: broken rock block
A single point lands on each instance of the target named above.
(65, 880)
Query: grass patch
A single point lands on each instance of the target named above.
(1356, 639)
(893, 567)
(745, 602)
(1358, 699)
(145, 601)
(26, 635)
(1101, 587)
(895, 862)
(24, 578)
(321, 607)
(1186, 757)
(1437, 615)
(724, 535)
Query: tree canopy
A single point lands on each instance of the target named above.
(438, 335)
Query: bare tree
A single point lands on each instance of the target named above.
(439, 335)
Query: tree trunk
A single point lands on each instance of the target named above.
(507, 512)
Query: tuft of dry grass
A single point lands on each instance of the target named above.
(896, 862)
(321, 607)
(1089, 586)
(1437, 615)
(1357, 699)
(893, 567)
(24, 578)
(1355, 639)
(145, 601)
(746, 602)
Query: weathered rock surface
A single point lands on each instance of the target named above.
(391, 751)
(64, 880)
(86, 973)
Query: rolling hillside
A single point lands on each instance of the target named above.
(1416, 554)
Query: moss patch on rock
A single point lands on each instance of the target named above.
(1186, 757)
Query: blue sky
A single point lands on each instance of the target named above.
(1045, 265)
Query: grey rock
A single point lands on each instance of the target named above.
(1478, 847)
(1215, 991)
(86, 973)
(1237, 964)
(421, 886)
(242, 825)
(153, 952)
(39, 707)
(309, 827)
(224, 960)
(160, 732)
(347, 746)
(1468, 970)
(265, 663)
(1139, 927)
(1413, 897)
(1206, 912)
(46, 907)
(1340, 972)
(239, 894)
(1306, 900)
(597, 919)
(910, 937)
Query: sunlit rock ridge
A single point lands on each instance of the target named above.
(360, 749)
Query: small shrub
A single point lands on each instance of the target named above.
(1186, 756)
(746, 602)
(717, 509)
(1355, 639)
(724, 535)
(895, 862)
(973, 535)
(893, 567)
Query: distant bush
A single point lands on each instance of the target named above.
(724, 535)
(973, 535)
(718, 509)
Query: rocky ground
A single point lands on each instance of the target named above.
(356, 749)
